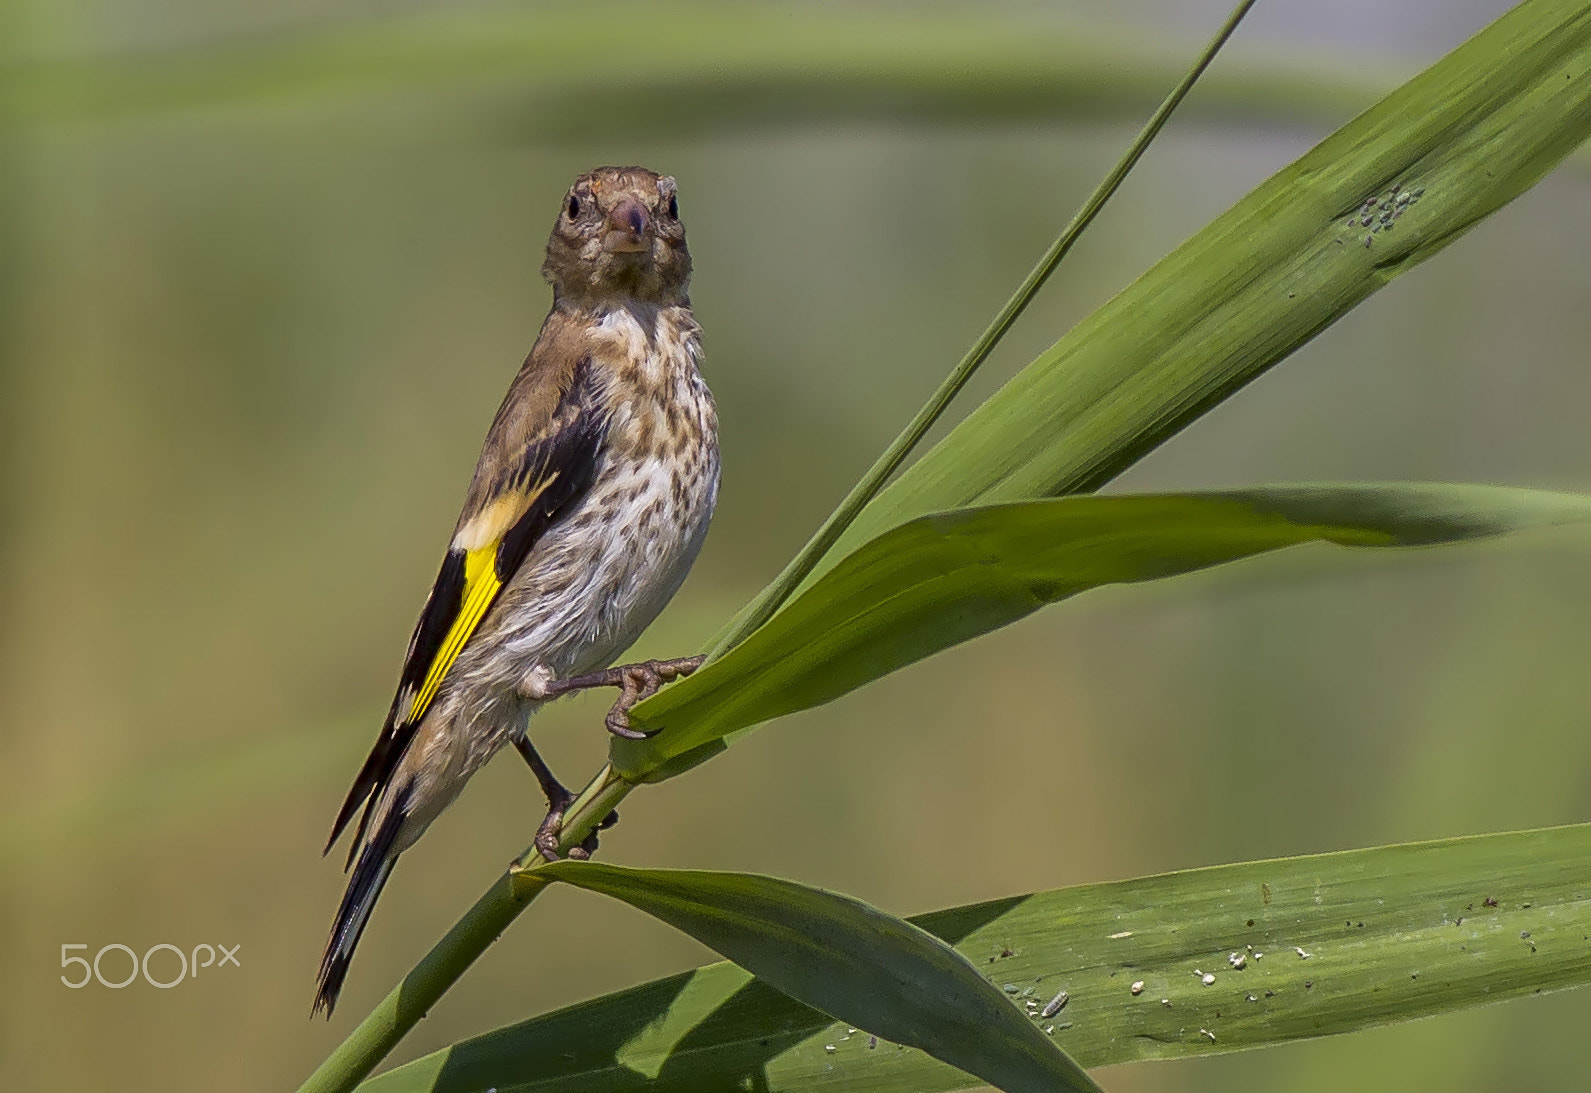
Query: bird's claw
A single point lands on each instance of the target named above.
(638, 682)
(547, 840)
(618, 723)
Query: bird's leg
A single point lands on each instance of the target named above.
(635, 682)
(558, 800)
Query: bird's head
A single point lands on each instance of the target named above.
(619, 234)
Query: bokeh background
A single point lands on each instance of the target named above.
(249, 345)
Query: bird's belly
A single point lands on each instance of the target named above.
(605, 572)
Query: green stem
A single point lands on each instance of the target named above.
(409, 1001)
(482, 924)
(380, 1032)
(771, 598)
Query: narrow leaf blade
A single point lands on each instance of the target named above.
(943, 579)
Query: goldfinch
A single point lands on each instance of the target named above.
(588, 505)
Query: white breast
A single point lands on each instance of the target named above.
(604, 572)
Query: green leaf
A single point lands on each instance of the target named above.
(839, 955)
(1448, 148)
(774, 595)
(943, 579)
(1435, 157)
(1392, 934)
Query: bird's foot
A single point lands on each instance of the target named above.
(547, 835)
(558, 800)
(642, 681)
(635, 682)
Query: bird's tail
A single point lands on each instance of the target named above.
(374, 866)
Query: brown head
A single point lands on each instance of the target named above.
(619, 234)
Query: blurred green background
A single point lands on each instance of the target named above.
(249, 347)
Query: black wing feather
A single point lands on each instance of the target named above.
(571, 452)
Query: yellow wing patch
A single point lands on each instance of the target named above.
(480, 589)
(480, 538)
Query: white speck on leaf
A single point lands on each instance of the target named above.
(1055, 1005)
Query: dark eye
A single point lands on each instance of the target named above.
(574, 206)
(673, 207)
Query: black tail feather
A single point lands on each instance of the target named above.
(373, 776)
(376, 859)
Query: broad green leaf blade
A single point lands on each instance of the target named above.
(1392, 934)
(943, 579)
(1424, 165)
(850, 960)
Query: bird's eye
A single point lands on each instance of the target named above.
(574, 206)
(673, 207)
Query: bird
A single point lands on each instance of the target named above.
(589, 503)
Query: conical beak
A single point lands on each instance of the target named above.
(628, 227)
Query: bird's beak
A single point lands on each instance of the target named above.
(628, 225)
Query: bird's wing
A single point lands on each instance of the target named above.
(538, 461)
